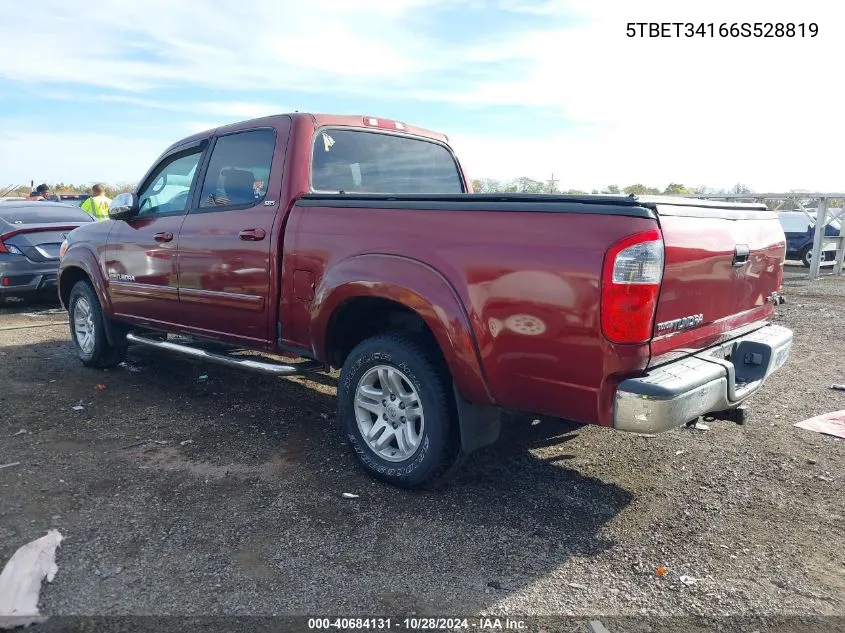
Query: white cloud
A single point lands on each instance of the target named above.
(714, 111)
(699, 110)
(242, 109)
(75, 157)
(228, 109)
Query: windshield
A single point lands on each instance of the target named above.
(44, 214)
(75, 200)
(356, 161)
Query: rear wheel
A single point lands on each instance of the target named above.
(807, 256)
(397, 411)
(88, 329)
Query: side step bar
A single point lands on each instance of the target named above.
(262, 367)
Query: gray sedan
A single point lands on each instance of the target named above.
(31, 234)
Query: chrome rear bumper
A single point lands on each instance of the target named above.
(715, 379)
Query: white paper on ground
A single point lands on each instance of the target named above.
(828, 423)
(20, 580)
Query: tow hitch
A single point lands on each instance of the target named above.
(738, 415)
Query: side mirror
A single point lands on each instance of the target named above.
(124, 207)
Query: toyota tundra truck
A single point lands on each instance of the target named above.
(302, 242)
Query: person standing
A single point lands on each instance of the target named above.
(42, 192)
(97, 206)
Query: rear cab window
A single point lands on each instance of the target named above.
(363, 161)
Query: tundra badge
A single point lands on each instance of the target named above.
(121, 277)
(684, 323)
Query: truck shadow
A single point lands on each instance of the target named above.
(265, 465)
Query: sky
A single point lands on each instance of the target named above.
(521, 87)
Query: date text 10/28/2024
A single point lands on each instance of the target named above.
(725, 29)
(417, 624)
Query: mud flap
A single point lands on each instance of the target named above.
(115, 332)
(480, 424)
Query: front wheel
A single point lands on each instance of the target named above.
(88, 329)
(397, 411)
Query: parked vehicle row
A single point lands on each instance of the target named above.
(31, 234)
(799, 228)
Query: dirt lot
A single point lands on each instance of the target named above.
(233, 502)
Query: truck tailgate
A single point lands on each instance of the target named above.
(723, 262)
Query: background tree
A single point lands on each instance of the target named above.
(675, 189)
(640, 190)
(524, 184)
(486, 185)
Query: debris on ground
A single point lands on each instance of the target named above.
(202, 379)
(31, 325)
(700, 426)
(838, 387)
(142, 442)
(828, 423)
(78, 407)
(99, 387)
(20, 580)
(576, 585)
(21, 432)
(689, 581)
(9, 465)
(595, 626)
(660, 571)
(680, 452)
(185, 442)
(325, 416)
(349, 495)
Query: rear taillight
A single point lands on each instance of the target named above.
(10, 249)
(633, 270)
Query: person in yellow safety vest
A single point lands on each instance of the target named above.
(97, 206)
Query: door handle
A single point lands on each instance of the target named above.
(252, 235)
(163, 237)
(741, 252)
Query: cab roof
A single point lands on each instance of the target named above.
(317, 120)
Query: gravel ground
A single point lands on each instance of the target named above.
(179, 494)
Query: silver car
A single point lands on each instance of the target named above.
(31, 234)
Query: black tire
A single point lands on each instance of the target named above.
(439, 449)
(807, 255)
(102, 354)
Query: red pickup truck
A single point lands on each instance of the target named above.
(356, 243)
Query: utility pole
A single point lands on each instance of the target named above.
(552, 183)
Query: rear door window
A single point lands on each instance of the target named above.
(358, 161)
(239, 170)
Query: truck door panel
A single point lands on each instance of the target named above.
(141, 252)
(225, 246)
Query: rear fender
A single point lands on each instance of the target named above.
(418, 287)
